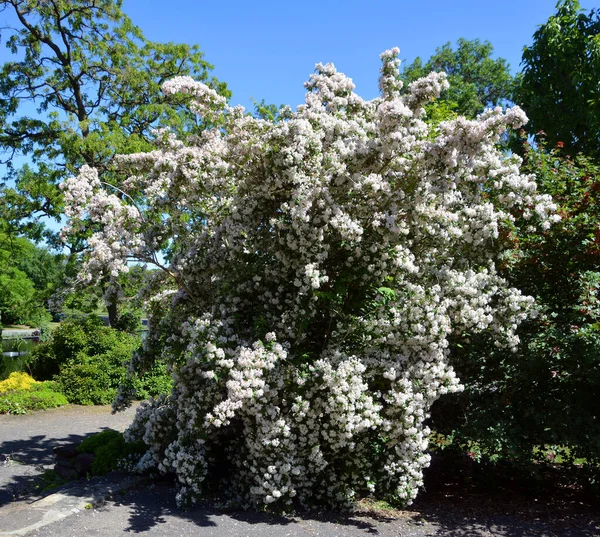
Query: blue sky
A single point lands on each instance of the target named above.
(267, 49)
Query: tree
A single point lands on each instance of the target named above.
(16, 294)
(545, 398)
(477, 81)
(319, 263)
(94, 80)
(45, 269)
(559, 87)
(28, 275)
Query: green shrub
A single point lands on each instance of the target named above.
(110, 447)
(154, 382)
(39, 318)
(129, 322)
(91, 383)
(92, 443)
(87, 361)
(67, 341)
(545, 398)
(38, 397)
(73, 336)
(42, 362)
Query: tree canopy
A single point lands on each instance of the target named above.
(28, 276)
(84, 86)
(477, 80)
(559, 87)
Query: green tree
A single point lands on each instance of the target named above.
(16, 294)
(546, 396)
(559, 87)
(94, 81)
(476, 79)
(45, 269)
(28, 275)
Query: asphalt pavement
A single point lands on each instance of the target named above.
(117, 504)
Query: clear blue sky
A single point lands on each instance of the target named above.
(267, 49)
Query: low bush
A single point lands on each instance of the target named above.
(38, 396)
(73, 339)
(92, 383)
(110, 448)
(17, 381)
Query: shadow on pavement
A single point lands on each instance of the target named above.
(448, 509)
(154, 505)
(460, 505)
(22, 463)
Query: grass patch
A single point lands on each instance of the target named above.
(49, 480)
(372, 507)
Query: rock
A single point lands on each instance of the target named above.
(83, 463)
(66, 472)
(68, 451)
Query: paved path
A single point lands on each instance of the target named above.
(26, 442)
(118, 505)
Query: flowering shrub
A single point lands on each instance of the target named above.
(316, 267)
(17, 381)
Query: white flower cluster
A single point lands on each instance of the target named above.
(319, 265)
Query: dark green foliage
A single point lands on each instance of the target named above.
(44, 268)
(17, 295)
(93, 382)
(154, 382)
(110, 448)
(559, 88)
(84, 336)
(92, 443)
(38, 397)
(476, 79)
(544, 400)
(49, 480)
(88, 359)
(128, 322)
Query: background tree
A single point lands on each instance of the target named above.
(83, 87)
(476, 79)
(545, 398)
(559, 87)
(28, 276)
(17, 292)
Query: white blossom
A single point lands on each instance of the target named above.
(318, 266)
